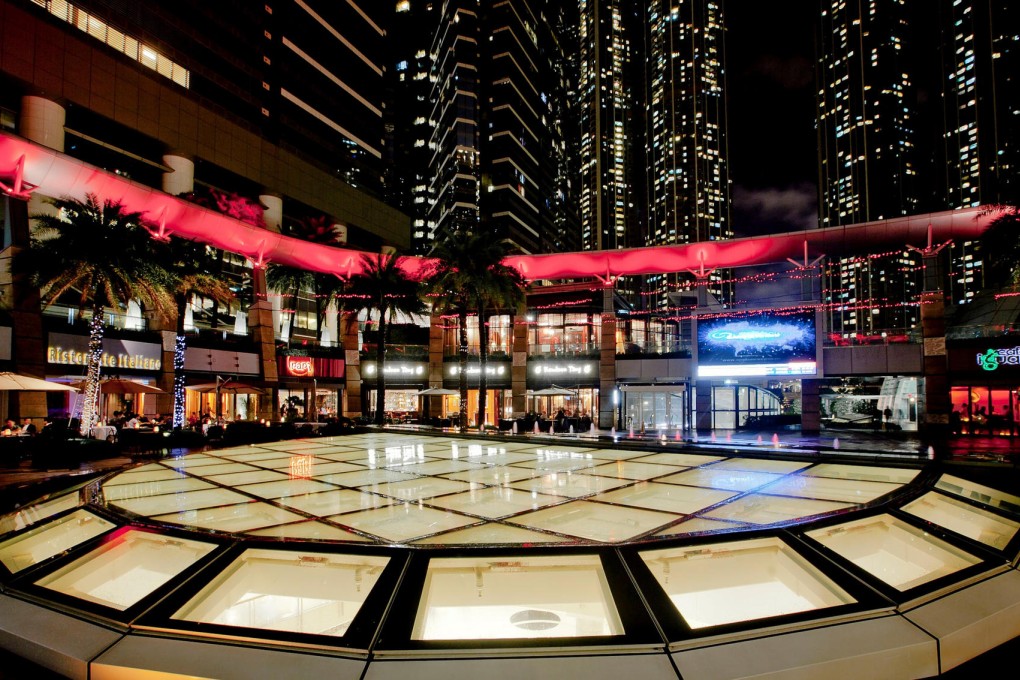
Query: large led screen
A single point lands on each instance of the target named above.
(760, 343)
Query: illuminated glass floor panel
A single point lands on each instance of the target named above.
(36, 545)
(400, 487)
(966, 520)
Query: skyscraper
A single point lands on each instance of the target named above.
(981, 95)
(498, 150)
(609, 93)
(688, 183)
(866, 141)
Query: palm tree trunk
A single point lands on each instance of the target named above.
(180, 346)
(483, 354)
(380, 372)
(93, 364)
(462, 330)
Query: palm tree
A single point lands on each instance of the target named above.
(192, 274)
(1000, 245)
(325, 287)
(385, 287)
(470, 277)
(102, 254)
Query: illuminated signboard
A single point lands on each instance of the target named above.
(395, 369)
(562, 372)
(72, 350)
(476, 369)
(993, 358)
(301, 367)
(761, 343)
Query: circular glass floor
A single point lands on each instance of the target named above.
(407, 489)
(382, 554)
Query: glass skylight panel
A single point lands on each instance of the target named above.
(894, 551)
(126, 569)
(37, 545)
(980, 493)
(37, 512)
(516, 598)
(962, 518)
(724, 583)
(285, 590)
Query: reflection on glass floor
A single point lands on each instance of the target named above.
(405, 488)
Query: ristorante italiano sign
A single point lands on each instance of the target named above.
(72, 350)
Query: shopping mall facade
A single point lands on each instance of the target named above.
(577, 345)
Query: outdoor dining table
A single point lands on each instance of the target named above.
(104, 432)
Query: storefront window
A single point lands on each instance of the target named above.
(565, 335)
(983, 411)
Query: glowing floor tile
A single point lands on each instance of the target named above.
(666, 497)
(192, 460)
(42, 543)
(157, 488)
(492, 533)
(618, 454)
(739, 581)
(122, 571)
(367, 477)
(699, 525)
(287, 487)
(318, 467)
(870, 473)
(492, 474)
(404, 521)
(359, 456)
(421, 488)
(894, 551)
(241, 517)
(238, 450)
(680, 459)
(847, 490)
(508, 458)
(569, 484)
(184, 500)
(628, 469)
(438, 467)
(222, 469)
(277, 463)
(515, 598)
(761, 509)
(239, 478)
(311, 530)
(964, 519)
(560, 462)
(252, 456)
(493, 502)
(336, 502)
(292, 445)
(145, 473)
(594, 521)
(730, 480)
(760, 465)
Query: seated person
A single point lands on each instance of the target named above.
(27, 427)
(132, 422)
(10, 428)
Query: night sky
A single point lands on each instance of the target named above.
(771, 106)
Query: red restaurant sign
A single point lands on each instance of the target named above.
(310, 367)
(300, 367)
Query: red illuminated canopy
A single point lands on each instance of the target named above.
(27, 167)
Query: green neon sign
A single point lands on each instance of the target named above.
(993, 358)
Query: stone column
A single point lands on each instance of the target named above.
(703, 406)
(352, 365)
(519, 364)
(260, 327)
(181, 178)
(432, 405)
(42, 121)
(810, 406)
(607, 359)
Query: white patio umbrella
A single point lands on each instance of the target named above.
(14, 382)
